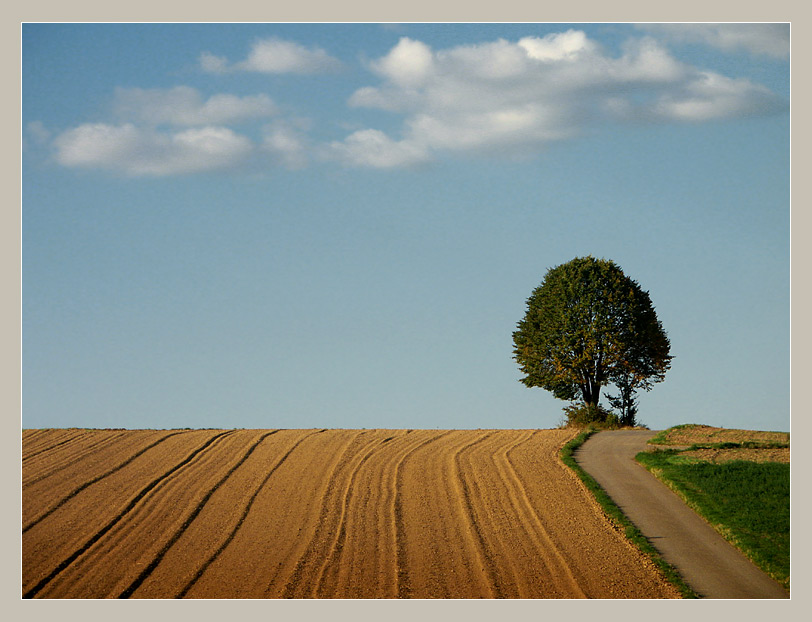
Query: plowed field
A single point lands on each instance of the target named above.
(316, 514)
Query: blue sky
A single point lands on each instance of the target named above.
(338, 225)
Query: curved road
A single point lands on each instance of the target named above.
(706, 561)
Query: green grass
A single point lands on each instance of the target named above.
(742, 445)
(633, 534)
(747, 502)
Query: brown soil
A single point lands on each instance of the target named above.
(686, 436)
(695, 434)
(751, 455)
(317, 513)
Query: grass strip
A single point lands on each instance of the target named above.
(742, 445)
(632, 533)
(661, 438)
(746, 502)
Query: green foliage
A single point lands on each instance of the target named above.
(747, 502)
(587, 325)
(616, 515)
(585, 414)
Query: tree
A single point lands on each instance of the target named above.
(625, 401)
(586, 325)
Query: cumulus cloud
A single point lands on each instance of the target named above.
(498, 97)
(274, 56)
(137, 151)
(559, 46)
(373, 148)
(285, 141)
(504, 95)
(758, 39)
(709, 96)
(174, 131)
(407, 64)
(183, 105)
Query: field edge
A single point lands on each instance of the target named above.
(618, 519)
(720, 529)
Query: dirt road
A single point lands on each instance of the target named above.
(316, 514)
(707, 562)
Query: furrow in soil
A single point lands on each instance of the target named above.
(95, 444)
(55, 583)
(303, 581)
(554, 574)
(230, 494)
(93, 480)
(404, 589)
(261, 559)
(324, 582)
(317, 513)
(34, 445)
(191, 517)
(469, 491)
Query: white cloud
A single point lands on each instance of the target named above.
(501, 96)
(758, 39)
(183, 105)
(711, 96)
(135, 151)
(480, 131)
(407, 64)
(557, 46)
(275, 56)
(375, 149)
(285, 141)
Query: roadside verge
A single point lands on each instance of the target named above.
(706, 561)
(620, 520)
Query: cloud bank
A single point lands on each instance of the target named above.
(520, 96)
(493, 99)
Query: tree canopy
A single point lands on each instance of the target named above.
(588, 325)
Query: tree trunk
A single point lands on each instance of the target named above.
(591, 392)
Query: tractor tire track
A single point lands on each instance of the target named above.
(363, 562)
(32, 592)
(94, 480)
(285, 517)
(128, 591)
(326, 523)
(404, 589)
(56, 466)
(335, 549)
(330, 514)
(73, 436)
(485, 555)
(202, 569)
(500, 525)
(132, 545)
(547, 549)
